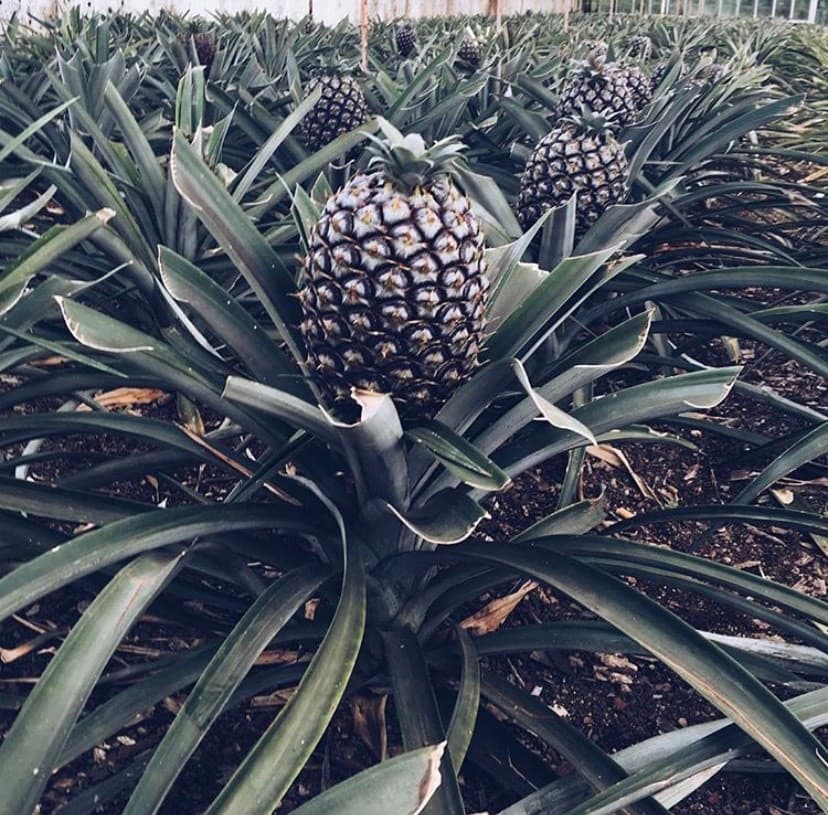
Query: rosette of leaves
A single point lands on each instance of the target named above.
(370, 515)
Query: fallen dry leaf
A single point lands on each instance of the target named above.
(615, 458)
(495, 612)
(125, 398)
(368, 711)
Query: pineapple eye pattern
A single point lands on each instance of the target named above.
(394, 292)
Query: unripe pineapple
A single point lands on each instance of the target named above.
(639, 45)
(599, 87)
(204, 44)
(639, 84)
(579, 155)
(469, 50)
(660, 73)
(406, 40)
(340, 109)
(395, 284)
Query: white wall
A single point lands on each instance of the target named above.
(329, 11)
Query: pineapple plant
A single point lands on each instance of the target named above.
(340, 109)
(600, 87)
(395, 282)
(580, 156)
(405, 38)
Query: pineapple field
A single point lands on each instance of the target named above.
(422, 417)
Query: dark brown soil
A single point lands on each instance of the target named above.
(615, 701)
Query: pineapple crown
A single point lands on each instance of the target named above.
(408, 161)
(590, 121)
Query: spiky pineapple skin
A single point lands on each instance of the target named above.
(568, 160)
(639, 84)
(469, 52)
(639, 45)
(340, 109)
(406, 40)
(205, 47)
(600, 89)
(394, 292)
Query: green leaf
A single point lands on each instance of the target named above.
(208, 699)
(402, 785)
(417, 710)
(447, 517)
(703, 665)
(266, 151)
(45, 251)
(283, 405)
(25, 134)
(462, 459)
(151, 176)
(226, 318)
(236, 233)
(33, 745)
(640, 403)
(810, 447)
(126, 538)
(532, 316)
(269, 769)
(74, 506)
(464, 716)
(575, 519)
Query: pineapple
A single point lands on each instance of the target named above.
(395, 284)
(599, 87)
(639, 83)
(579, 155)
(204, 44)
(406, 40)
(639, 46)
(469, 50)
(340, 109)
(660, 73)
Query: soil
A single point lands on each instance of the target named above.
(615, 700)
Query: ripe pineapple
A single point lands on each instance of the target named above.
(599, 87)
(340, 109)
(406, 40)
(579, 155)
(395, 284)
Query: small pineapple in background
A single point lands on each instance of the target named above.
(340, 109)
(712, 72)
(660, 73)
(639, 46)
(395, 284)
(204, 44)
(600, 87)
(469, 50)
(579, 155)
(309, 25)
(405, 38)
